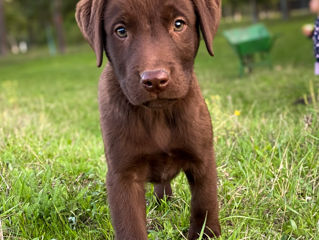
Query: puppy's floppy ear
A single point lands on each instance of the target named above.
(89, 16)
(209, 13)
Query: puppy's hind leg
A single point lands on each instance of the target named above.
(163, 189)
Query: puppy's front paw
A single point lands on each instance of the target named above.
(210, 232)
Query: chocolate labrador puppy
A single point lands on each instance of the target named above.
(154, 120)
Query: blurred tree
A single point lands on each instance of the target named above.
(32, 20)
(3, 39)
(233, 5)
(69, 7)
(254, 8)
(58, 22)
(37, 17)
(284, 9)
(257, 6)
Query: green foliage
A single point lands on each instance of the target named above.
(234, 3)
(28, 19)
(52, 166)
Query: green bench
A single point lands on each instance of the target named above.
(252, 45)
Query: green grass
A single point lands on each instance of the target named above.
(52, 165)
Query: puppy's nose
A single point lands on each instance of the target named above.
(155, 81)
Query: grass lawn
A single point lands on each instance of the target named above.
(52, 165)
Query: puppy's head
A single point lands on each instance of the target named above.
(151, 44)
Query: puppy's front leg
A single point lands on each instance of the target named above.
(126, 197)
(204, 202)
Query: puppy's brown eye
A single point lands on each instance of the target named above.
(179, 25)
(121, 32)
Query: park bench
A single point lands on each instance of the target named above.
(252, 45)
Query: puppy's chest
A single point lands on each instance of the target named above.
(158, 131)
(161, 135)
(167, 155)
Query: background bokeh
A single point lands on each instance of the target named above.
(41, 22)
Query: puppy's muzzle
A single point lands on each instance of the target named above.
(155, 81)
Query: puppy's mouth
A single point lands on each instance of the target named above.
(160, 103)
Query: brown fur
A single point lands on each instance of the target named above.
(154, 120)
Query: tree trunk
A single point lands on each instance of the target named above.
(3, 39)
(284, 9)
(254, 9)
(304, 4)
(58, 22)
(233, 10)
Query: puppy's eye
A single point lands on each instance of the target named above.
(179, 25)
(121, 32)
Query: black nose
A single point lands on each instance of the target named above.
(155, 81)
